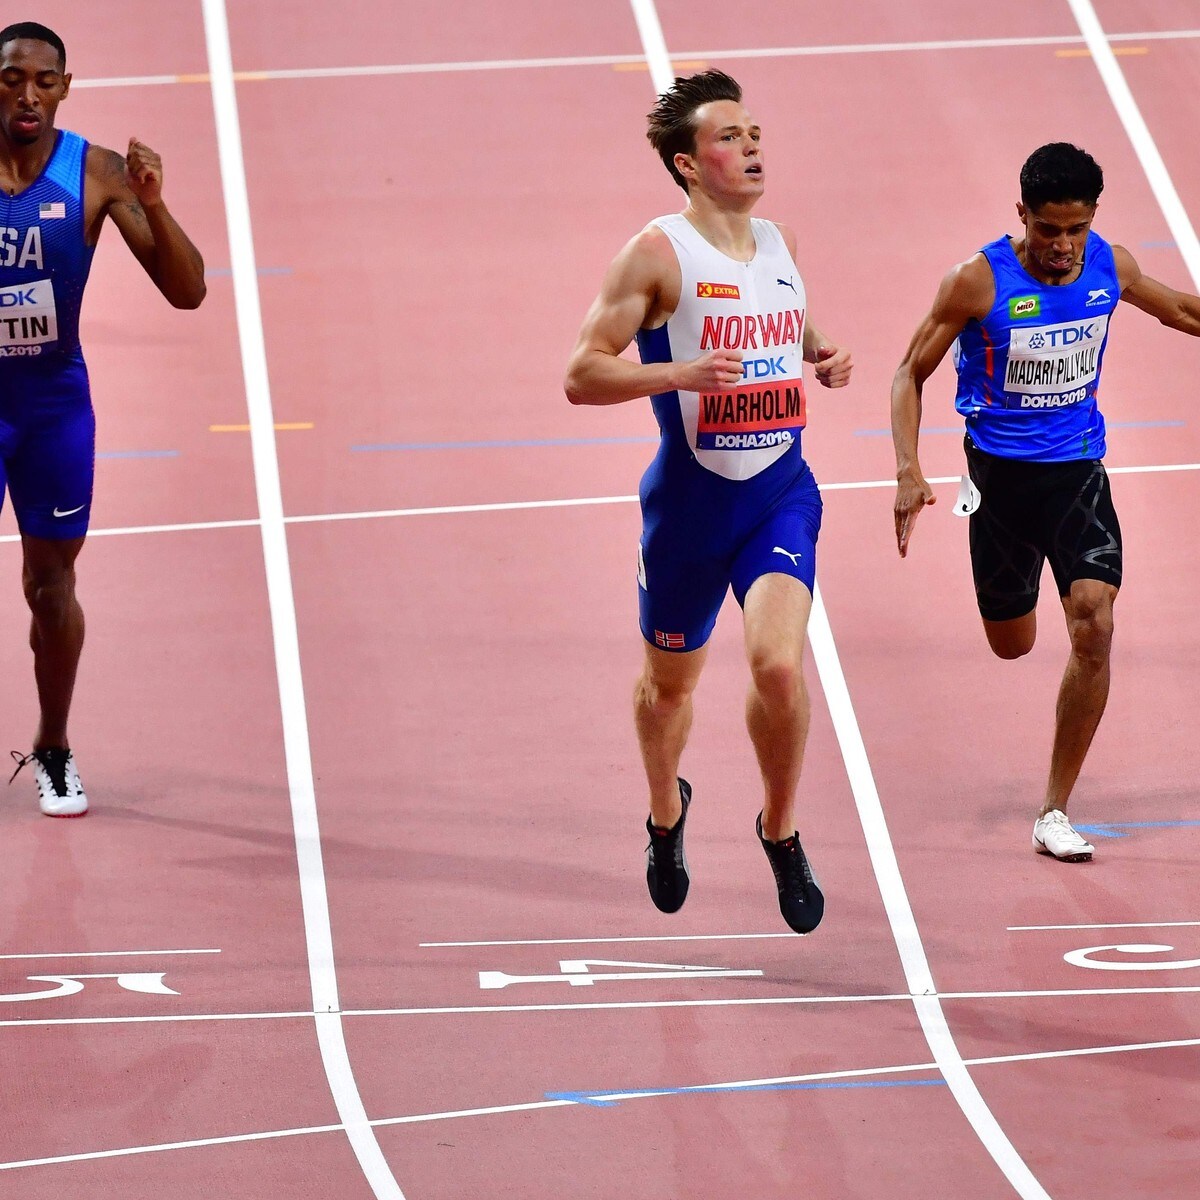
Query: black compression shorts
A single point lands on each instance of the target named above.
(1033, 511)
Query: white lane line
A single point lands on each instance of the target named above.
(297, 753)
(1167, 467)
(900, 915)
(606, 60)
(109, 954)
(542, 1105)
(1122, 925)
(692, 937)
(1139, 134)
(125, 1151)
(598, 1006)
(858, 485)
(449, 509)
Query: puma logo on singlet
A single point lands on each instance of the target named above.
(786, 283)
(788, 554)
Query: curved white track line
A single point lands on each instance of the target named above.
(319, 935)
(900, 914)
(870, 811)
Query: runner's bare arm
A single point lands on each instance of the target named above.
(130, 188)
(967, 291)
(1176, 310)
(833, 362)
(640, 290)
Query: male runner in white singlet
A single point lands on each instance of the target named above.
(719, 312)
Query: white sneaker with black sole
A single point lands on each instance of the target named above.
(1054, 834)
(60, 793)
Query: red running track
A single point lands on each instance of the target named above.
(427, 240)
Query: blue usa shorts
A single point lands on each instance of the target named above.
(701, 540)
(48, 449)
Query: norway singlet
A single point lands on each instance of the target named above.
(756, 308)
(728, 497)
(1028, 373)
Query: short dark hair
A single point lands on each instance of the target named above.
(672, 127)
(31, 31)
(1059, 173)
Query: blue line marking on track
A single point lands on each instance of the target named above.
(137, 453)
(605, 1099)
(502, 445)
(1111, 829)
(1167, 244)
(959, 429)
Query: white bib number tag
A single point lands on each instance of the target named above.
(27, 315)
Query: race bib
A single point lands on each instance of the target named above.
(751, 417)
(27, 314)
(1050, 366)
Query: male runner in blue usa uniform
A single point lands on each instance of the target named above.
(55, 192)
(1028, 317)
(719, 312)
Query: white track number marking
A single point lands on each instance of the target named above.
(578, 972)
(1083, 958)
(68, 985)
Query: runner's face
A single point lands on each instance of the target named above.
(31, 86)
(728, 156)
(1055, 236)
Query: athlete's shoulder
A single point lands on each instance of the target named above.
(969, 287)
(785, 232)
(1125, 265)
(650, 248)
(645, 265)
(103, 163)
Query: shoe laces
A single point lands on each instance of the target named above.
(53, 761)
(666, 847)
(792, 872)
(21, 760)
(1058, 819)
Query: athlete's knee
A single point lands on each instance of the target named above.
(1091, 626)
(50, 595)
(660, 695)
(1010, 649)
(777, 677)
(1013, 638)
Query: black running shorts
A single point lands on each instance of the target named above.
(1033, 511)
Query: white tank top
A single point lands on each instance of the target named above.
(755, 307)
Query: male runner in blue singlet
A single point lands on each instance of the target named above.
(1028, 317)
(719, 312)
(55, 192)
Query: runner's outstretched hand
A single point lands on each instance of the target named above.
(912, 494)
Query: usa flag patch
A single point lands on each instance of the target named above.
(53, 210)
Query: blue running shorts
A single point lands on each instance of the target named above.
(695, 547)
(48, 449)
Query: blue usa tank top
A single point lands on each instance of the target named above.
(44, 264)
